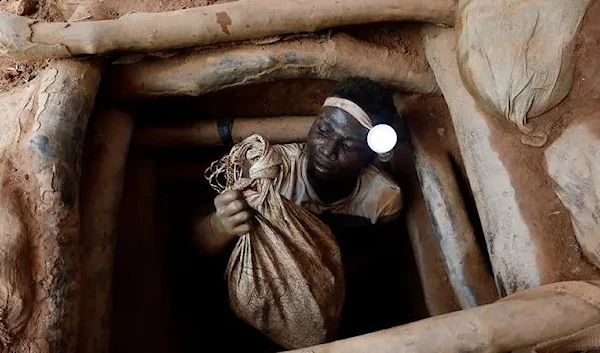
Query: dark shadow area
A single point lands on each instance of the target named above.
(383, 293)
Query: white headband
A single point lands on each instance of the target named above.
(351, 108)
(381, 138)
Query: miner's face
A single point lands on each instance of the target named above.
(337, 146)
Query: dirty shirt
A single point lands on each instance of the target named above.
(365, 225)
(375, 198)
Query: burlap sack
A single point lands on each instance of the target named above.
(285, 276)
(516, 56)
(573, 163)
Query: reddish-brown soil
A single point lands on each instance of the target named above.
(15, 73)
(405, 38)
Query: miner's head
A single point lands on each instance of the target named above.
(337, 143)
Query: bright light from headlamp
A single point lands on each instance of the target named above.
(382, 138)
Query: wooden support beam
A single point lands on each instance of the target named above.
(44, 143)
(520, 321)
(509, 239)
(234, 21)
(205, 133)
(102, 185)
(202, 72)
(471, 281)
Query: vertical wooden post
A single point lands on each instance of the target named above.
(471, 281)
(510, 241)
(102, 185)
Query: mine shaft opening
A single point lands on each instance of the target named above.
(163, 288)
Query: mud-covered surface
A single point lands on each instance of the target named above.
(541, 208)
(430, 124)
(111, 9)
(455, 225)
(15, 73)
(44, 125)
(160, 287)
(545, 239)
(166, 298)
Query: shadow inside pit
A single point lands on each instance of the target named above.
(167, 297)
(386, 292)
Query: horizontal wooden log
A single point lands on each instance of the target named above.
(202, 72)
(235, 21)
(523, 320)
(205, 133)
